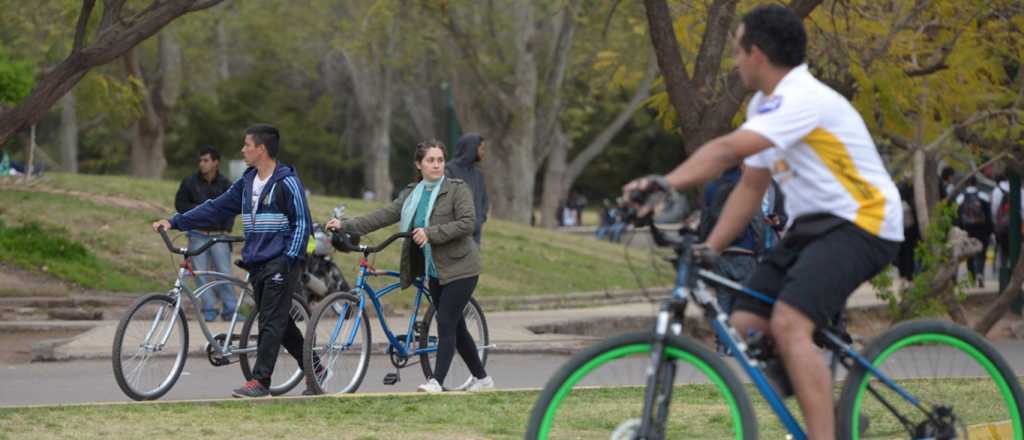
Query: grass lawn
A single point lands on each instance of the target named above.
(493, 416)
(110, 216)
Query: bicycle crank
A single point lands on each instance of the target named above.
(214, 356)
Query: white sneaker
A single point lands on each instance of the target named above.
(431, 387)
(478, 385)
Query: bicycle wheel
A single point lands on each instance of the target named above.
(339, 335)
(599, 393)
(150, 348)
(476, 323)
(285, 376)
(944, 366)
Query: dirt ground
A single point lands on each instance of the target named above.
(18, 282)
(16, 347)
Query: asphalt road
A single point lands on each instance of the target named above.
(93, 381)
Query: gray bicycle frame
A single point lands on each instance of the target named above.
(216, 279)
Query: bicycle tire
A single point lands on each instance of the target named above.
(314, 344)
(482, 339)
(125, 326)
(601, 406)
(300, 308)
(918, 345)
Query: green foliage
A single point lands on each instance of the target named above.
(931, 254)
(16, 79)
(48, 249)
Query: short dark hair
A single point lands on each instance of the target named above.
(778, 32)
(947, 172)
(266, 135)
(214, 154)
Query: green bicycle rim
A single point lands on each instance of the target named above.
(1004, 388)
(620, 352)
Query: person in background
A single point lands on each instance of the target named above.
(469, 151)
(208, 184)
(974, 215)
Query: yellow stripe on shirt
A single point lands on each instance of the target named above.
(870, 201)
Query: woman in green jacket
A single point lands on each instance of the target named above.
(439, 213)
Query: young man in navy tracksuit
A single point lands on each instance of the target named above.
(276, 221)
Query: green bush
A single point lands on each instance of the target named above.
(48, 249)
(930, 254)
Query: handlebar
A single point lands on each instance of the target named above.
(193, 252)
(366, 250)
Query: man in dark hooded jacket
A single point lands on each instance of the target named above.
(468, 151)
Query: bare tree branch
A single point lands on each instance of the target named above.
(974, 171)
(465, 46)
(199, 6)
(83, 23)
(670, 62)
(551, 102)
(974, 119)
(113, 39)
(712, 45)
(643, 91)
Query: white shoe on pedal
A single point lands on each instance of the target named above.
(431, 387)
(478, 385)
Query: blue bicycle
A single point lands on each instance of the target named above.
(919, 380)
(339, 330)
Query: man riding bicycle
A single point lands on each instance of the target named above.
(847, 217)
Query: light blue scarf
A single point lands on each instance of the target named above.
(409, 211)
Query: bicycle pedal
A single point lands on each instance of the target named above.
(391, 378)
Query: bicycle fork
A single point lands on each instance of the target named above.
(661, 372)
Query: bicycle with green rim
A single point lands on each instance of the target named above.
(922, 379)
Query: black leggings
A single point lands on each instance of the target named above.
(449, 301)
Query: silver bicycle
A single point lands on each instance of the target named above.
(151, 342)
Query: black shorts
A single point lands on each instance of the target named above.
(817, 265)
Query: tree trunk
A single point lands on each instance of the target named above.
(69, 134)
(377, 165)
(556, 187)
(223, 51)
(1002, 303)
(921, 191)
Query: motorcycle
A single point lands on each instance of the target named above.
(321, 276)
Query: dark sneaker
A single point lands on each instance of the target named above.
(252, 388)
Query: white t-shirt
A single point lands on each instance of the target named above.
(257, 189)
(823, 157)
(1003, 190)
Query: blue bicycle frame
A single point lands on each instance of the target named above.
(687, 288)
(363, 290)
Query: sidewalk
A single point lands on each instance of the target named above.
(524, 331)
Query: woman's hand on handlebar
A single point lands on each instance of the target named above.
(333, 225)
(162, 223)
(419, 235)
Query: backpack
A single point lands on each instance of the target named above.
(972, 211)
(1002, 220)
(764, 235)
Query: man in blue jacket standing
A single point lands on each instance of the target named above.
(276, 221)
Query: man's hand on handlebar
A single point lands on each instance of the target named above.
(162, 223)
(635, 193)
(703, 255)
